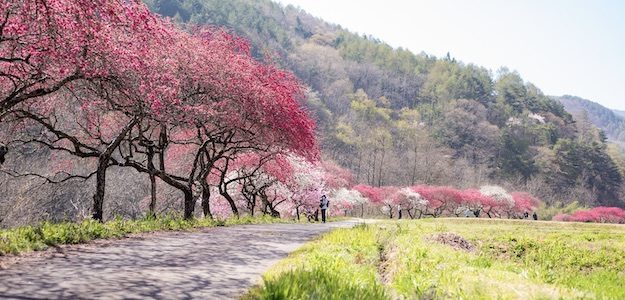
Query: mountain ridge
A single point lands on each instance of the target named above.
(606, 119)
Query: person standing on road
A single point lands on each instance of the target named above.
(324, 207)
(535, 216)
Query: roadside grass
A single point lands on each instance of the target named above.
(33, 238)
(401, 260)
(341, 265)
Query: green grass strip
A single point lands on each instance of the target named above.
(33, 238)
(341, 265)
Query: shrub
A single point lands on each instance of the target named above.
(596, 215)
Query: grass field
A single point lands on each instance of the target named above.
(455, 259)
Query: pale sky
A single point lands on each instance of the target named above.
(574, 47)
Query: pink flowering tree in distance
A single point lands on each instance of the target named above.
(347, 199)
(498, 201)
(306, 186)
(410, 201)
(374, 195)
(523, 203)
(475, 201)
(595, 215)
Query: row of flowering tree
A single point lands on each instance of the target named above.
(595, 215)
(106, 84)
(436, 201)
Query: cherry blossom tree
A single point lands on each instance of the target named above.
(524, 203)
(347, 199)
(102, 53)
(256, 182)
(498, 201)
(597, 215)
(410, 201)
(475, 201)
(158, 79)
(374, 195)
(306, 185)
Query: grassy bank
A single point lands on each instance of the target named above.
(455, 259)
(39, 237)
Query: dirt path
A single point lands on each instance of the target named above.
(218, 263)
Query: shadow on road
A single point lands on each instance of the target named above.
(219, 263)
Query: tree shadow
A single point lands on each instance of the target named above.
(220, 263)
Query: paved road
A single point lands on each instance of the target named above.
(218, 263)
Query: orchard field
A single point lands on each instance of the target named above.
(455, 259)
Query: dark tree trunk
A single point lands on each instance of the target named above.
(3, 151)
(269, 209)
(98, 197)
(152, 195)
(297, 212)
(103, 164)
(189, 204)
(252, 205)
(206, 194)
(233, 205)
(265, 205)
(151, 169)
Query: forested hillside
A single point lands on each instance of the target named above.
(609, 121)
(398, 118)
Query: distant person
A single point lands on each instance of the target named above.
(324, 204)
(526, 215)
(535, 216)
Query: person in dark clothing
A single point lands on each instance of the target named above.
(324, 204)
(526, 215)
(535, 216)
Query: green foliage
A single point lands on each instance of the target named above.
(516, 157)
(29, 238)
(448, 80)
(364, 49)
(548, 212)
(588, 165)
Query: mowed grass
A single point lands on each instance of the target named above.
(402, 260)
